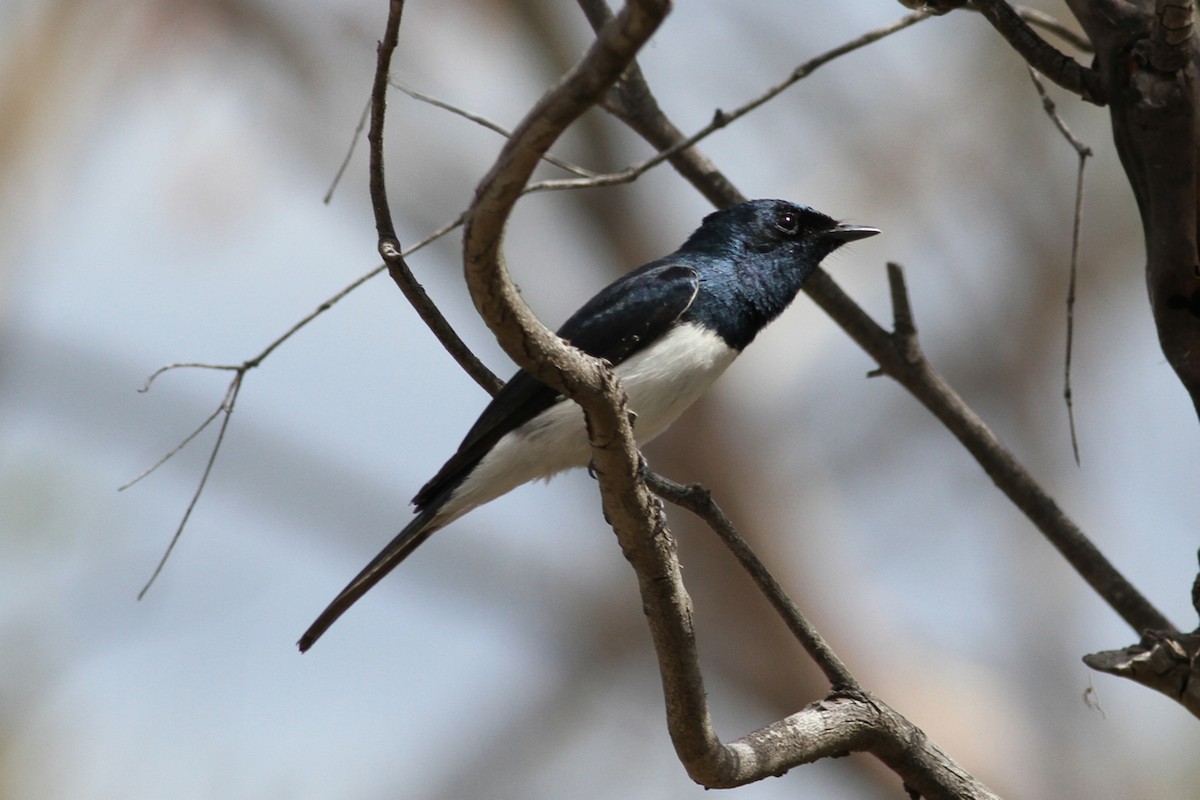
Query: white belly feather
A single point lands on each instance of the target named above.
(662, 381)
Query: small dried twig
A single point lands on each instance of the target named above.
(486, 123)
(699, 501)
(235, 386)
(226, 407)
(723, 118)
(337, 178)
(1046, 22)
(1083, 152)
(187, 439)
(389, 243)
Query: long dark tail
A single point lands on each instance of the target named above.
(397, 550)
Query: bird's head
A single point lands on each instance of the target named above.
(773, 228)
(753, 258)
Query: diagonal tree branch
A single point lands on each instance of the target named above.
(1041, 19)
(635, 516)
(1040, 54)
(699, 501)
(900, 358)
(1014, 24)
(636, 106)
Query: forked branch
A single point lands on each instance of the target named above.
(863, 723)
(899, 357)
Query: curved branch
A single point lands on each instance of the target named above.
(389, 244)
(634, 514)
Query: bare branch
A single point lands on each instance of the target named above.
(900, 358)
(635, 517)
(699, 501)
(1155, 127)
(1166, 663)
(1040, 54)
(341, 170)
(1083, 152)
(226, 407)
(486, 123)
(1055, 26)
(904, 362)
(848, 722)
(389, 244)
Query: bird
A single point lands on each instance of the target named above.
(669, 328)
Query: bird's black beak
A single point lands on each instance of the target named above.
(849, 233)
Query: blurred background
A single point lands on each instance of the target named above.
(164, 164)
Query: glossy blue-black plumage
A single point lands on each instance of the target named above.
(618, 322)
(753, 259)
(738, 271)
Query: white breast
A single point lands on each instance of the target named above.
(661, 381)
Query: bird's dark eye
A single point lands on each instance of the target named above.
(787, 222)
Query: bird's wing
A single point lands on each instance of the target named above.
(616, 323)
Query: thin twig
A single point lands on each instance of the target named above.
(699, 501)
(389, 244)
(340, 295)
(902, 360)
(1083, 152)
(226, 406)
(182, 365)
(486, 123)
(1046, 22)
(170, 453)
(1052, 111)
(723, 118)
(235, 386)
(358, 129)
